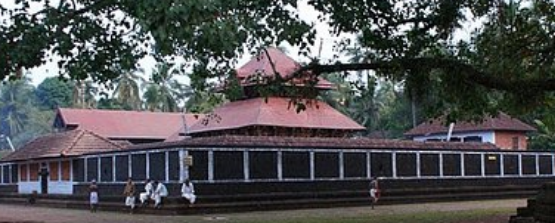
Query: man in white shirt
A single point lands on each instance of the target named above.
(159, 194)
(148, 194)
(188, 191)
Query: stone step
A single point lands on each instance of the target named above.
(524, 212)
(519, 219)
(175, 207)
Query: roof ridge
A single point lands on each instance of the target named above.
(82, 133)
(500, 121)
(104, 139)
(74, 142)
(120, 111)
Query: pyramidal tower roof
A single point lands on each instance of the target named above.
(276, 115)
(271, 61)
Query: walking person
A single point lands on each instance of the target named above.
(188, 192)
(145, 197)
(129, 193)
(93, 196)
(159, 194)
(374, 191)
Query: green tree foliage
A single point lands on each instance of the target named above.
(84, 94)
(397, 113)
(381, 107)
(163, 92)
(507, 64)
(544, 139)
(39, 122)
(365, 106)
(16, 98)
(340, 97)
(204, 102)
(108, 103)
(127, 91)
(90, 37)
(54, 92)
(20, 116)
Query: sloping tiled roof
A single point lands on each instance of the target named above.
(179, 135)
(283, 64)
(303, 142)
(274, 111)
(502, 122)
(69, 143)
(126, 124)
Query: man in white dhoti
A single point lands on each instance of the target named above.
(159, 194)
(374, 191)
(129, 193)
(188, 191)
(93, 196)
(148, 194)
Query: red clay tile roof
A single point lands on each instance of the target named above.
(303, 142)
(501, 122)
(283, 64)
(274, 111)
(114, 124)
(179, 135)
(69, 143)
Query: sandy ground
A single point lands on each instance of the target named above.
(17, 213)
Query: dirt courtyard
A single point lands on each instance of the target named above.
(19, 213)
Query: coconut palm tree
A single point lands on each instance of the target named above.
(127, 91)
(84, 94)
(365, 107)
(339, 98)
(204, 102)
(16, 98)
(163, 92)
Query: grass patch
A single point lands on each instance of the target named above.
(418, 217)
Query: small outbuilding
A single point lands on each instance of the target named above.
(45, 163)
(503, 131)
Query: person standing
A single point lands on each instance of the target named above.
(129, 193)
(148, 194)
(159, 194)
(374, 191)
(93, 196)
(188, 191)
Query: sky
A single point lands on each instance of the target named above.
(309, 14)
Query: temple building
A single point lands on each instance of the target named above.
(281, 144)
(89, 131)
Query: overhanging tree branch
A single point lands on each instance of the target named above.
(470, 73)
